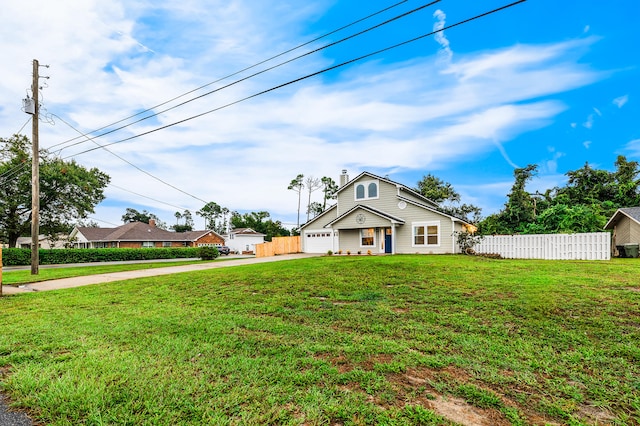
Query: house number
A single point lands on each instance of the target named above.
(360, 218)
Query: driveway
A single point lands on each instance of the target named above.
(144, 273)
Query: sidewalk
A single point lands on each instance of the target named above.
(128, 275)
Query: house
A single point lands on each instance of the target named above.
(244, 240)
(625, 227)
(44, 242)
(378, 215)
(141, 235)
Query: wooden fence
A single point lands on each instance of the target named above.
(591, 246)
(279, 245)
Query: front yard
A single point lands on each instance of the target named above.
(335, 340)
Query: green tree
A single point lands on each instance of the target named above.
(188, 222)
(436, 190)
(329, 190)
(215, 217)
(297, 185)
(68, 191)
(259, 222)
(443, 193)
(133, 215)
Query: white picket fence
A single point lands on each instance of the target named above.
(591, 246)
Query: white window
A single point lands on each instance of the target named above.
(426, 234)
(367, 237)
(148, 244)
(366, 190)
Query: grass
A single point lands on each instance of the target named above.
(23, 276)
(334, 340)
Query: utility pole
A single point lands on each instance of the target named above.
(35, 175)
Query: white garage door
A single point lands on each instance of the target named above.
(318, 241)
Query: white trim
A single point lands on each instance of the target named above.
(426, 236)
(360, 238)
(366, 184)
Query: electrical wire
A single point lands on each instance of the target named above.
(130, 163)
(148, 198)
(297, 80)
(403, 15)
(246, 69)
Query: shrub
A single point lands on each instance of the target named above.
(329, 253)
(20, 257)
(369, 252)
(348, 251)
(209, 253)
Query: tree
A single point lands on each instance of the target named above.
(441, 192)
(188, 222)
(297, 185)
(133, 215)
(259, 222)
(330, 191)
(437, 190)
(313, 184)
(68, 191)
(315, 209)
(215, 217)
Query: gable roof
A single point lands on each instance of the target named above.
(246, 231)
(400, 187)
(380, 213)
(632, 213)
(139, 231)
(333, 207)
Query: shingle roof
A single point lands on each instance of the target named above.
(139, 231)
(631, 212)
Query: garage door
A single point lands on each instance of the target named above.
(318, 241)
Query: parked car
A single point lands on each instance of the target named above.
(224, 250)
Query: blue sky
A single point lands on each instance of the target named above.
(544, 82)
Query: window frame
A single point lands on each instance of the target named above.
(426, 234)
(372, 236)
(366, 188)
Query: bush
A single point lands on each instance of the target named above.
(329, 253)
(209, 253)
(21, 257)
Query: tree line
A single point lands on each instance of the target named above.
(584, 204)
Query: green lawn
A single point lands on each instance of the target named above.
(23, 276)
(334, 340)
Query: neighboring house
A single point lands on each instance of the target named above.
(141, 235)
(625, 227)
(43, 242)
(244, 240)
(377, 214)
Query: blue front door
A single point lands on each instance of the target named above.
(387, 240)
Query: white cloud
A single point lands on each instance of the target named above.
(114, 59)
(445, 54)
(621, 101)
(587, 144)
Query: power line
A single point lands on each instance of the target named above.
(131, 164)
(403, 15)
(297, 80)
(245, 69)
(148, 198)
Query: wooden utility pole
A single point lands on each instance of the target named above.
(35, 175)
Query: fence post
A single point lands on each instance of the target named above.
(0, 271)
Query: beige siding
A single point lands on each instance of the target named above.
(627, 232)
(387, 201)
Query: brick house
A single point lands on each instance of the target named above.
(141, 235)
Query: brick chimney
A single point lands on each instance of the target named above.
(152, 223)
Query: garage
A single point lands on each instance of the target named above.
(319, 241)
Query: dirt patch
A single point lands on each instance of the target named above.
(597, 415)
(457, 410)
